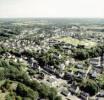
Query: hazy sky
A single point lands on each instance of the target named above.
(52, 8)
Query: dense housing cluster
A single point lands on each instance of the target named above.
(51, 60)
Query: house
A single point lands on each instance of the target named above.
(74, 89)
(52, 81)
(32, 62)
(67, 62)
(8, 55)
(93, 74)
(59, 73)
(14, 58)
(69, 52)
(41, 76)
(62, 66)
(49, 68)
(102, 59)
(72, 61)
(100, 98)
(52, 42)
(68, 76)
(65, 93)
(96, 62)
(84, 96)
(66, 47)
(57, 55)
(101, 94)
(79, 66)
(20, 59)
(79, 74)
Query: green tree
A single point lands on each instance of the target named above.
(90, 87)
(44, 90)
(52, 93)
(18, 98)
(58, 98)
(25, 91)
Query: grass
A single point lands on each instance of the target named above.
(75, 69)
(100, 78)
(76, 42)
(72, 68)
(2, 82)
(2, 95)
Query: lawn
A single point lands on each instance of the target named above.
(12, 87)
(2, 95)
(76, 42)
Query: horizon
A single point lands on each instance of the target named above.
(51, 9)
(51, 18)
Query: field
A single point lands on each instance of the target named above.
(76, 42)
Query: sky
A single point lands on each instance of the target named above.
(52, 8)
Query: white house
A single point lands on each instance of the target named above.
(67, 62)
(52, 81)
(95, 61)
(62, 66)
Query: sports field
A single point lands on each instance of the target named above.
(76, 42)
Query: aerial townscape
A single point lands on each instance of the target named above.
(51, 59)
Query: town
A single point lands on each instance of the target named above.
(51, 59)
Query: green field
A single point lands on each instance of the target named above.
(76, 42)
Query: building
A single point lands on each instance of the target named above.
(74, 89)
(62, 66)
(66, 93)
(52, 81)
(67, 63)
(93, 74)
(79, 66)
(96, 62)
(101, 94)
(84, 96)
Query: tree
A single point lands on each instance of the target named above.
(100, 81)
(58, 98)
(25, 91)
(52, 93)
(90, 87)
(35, 85)
(10, 96)
(26, 98)
(7, 84)
(81, 54)
(44, 90)
(18, 98)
